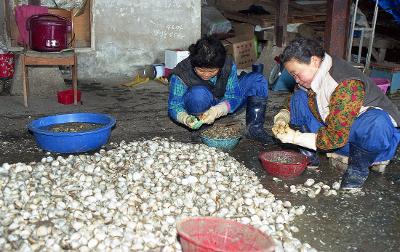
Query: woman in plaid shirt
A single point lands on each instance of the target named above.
(205, 86)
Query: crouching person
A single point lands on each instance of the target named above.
(339, 110)
(205, 87)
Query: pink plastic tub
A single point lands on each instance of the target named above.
(211, 234)
(382, 83)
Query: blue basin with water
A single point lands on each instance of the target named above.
(72, 142)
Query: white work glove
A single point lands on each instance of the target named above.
(189, 120)
(306, 140)
(221, 109)
(281, 121)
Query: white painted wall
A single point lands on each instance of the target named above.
(132, 33)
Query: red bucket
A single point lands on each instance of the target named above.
(211, 234)
(7, 65)
(67, 96)
(284, 164)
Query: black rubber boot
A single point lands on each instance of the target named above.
(255, 118)
(312, 155)
(358, 168)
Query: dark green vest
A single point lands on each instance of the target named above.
(342, 70)
(185, 71)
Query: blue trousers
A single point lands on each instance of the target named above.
(199, 99)
(373, 130)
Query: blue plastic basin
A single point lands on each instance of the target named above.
(72, 142)
(221, 143)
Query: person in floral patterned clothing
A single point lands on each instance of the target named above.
(338, 110)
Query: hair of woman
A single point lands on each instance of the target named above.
(302, 49)
(208, 52)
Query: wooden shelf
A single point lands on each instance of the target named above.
(269, 20)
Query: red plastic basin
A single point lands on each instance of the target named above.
(67, 96)
(211, 234)
(284, 164)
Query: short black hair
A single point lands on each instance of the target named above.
(302, 49)
(208, 52)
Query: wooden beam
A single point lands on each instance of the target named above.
(281, 19)
(6, 9)
(337, 27)
(250, 19)
(43, 61)
(269, 20)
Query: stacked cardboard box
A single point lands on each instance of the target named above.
(243, 50)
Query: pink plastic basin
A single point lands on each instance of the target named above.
(382, 83)
(211, 234)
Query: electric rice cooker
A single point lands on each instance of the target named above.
(48, 32)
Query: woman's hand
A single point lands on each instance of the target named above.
(281, 122)
(287, 136)
(306, 140)
(189, 120)
(193, 123)
(221, 109)
(280, 128)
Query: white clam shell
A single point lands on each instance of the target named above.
(130, 197)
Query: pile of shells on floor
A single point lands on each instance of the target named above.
(130, 197)
(312, 189)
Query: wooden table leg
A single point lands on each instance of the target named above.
(75, 81)
(24, 80)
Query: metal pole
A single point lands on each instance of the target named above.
(371, 40)
(353, 23)
(360, 45)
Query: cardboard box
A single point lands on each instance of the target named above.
(173, 57)
(242, 49)
(265, 35)
(243, 29)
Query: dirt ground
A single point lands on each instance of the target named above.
(367, 221)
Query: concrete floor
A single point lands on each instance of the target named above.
(367, 221)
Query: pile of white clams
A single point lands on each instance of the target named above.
(129, 199)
